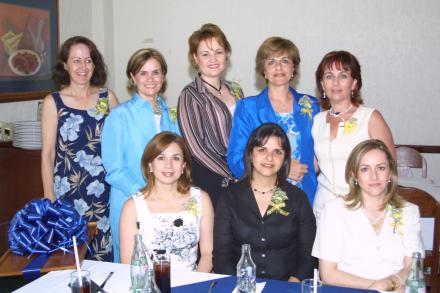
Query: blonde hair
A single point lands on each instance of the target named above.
(353, 198)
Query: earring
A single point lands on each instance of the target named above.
(389, 180)
(324, 97)
(352, 94)
(355, 182)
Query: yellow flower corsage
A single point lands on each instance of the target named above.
(102, 107)
(396, 220)
(192, 206)
(350, 125)
(306, 106)
(173, 114)
(236, 89)
(277, 203)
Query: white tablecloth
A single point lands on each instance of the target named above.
(57, 281)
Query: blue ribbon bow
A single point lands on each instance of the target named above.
(45, 227)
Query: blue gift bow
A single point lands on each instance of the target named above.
(42, 227)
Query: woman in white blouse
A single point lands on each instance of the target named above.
(366, 238)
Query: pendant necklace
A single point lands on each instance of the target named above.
(219, 90)
(338, 114)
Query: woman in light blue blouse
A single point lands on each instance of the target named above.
(130, 127)
(278, 62)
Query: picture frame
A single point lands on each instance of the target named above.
(29, 41)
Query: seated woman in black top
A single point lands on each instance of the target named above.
(267, 212)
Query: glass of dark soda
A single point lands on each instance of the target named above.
(85, 280)
(162, 265)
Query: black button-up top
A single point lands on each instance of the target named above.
(280, 245)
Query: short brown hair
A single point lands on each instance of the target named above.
(346, 61)
(154, 148)
(206, 32)
(138, 59)
(276, 45)
(353, 198)
(59, 74)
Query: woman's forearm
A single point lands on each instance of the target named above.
(205, 263)
(47, 176)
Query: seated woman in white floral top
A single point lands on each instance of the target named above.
(366, 239)
(173, 216)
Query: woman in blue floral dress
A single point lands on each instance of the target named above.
(72, 121)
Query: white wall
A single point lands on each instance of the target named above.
(396, 41)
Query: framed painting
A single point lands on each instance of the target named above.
(29, 39)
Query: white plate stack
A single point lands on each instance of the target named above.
(27, 135)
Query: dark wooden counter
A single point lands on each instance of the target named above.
(20, 181)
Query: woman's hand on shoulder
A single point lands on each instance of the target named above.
(113, 100)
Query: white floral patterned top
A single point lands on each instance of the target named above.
(178, 233)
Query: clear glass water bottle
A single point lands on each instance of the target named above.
(246, 271)
(139, 265)
(150, 283)
(415, 283)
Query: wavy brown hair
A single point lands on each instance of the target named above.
(61, 77)
(353, 199)
(154, 148)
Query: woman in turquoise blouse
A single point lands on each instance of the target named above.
(130, 127)
(278, 61)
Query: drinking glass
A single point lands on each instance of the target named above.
(307, 286)
(161, 265)
(85, 278)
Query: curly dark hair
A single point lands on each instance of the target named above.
(62, 78)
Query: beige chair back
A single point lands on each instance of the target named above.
(410, 158)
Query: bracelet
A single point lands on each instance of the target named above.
(399, 278)
(394, 285)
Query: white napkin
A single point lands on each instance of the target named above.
(259, 288)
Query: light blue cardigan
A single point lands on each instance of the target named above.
(127, 130)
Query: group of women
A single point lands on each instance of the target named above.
(254, 160)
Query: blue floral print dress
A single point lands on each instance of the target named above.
(78, 171)
(287, 121)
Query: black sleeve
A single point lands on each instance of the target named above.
(305, 262)
(223, 238)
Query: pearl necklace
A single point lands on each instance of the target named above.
(338, 114)
(263, 192)
(374, 221)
